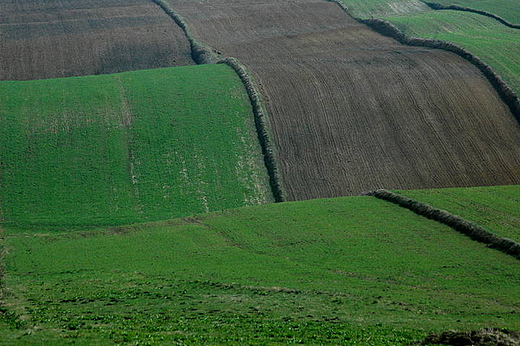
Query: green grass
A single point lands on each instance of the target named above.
(351, 271)
(496, 208)
(507, 9)
(493, 42)
(136, 146)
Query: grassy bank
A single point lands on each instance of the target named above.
(136, 146)
(351, 270)
(507, 9)
(494, 208)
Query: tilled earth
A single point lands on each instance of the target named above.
(62, 38)
(351, 110)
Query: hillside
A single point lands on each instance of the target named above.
(351, 110)
(63, 38)
(507, 9)
(122, 148)
(495, 208)
(352, 270)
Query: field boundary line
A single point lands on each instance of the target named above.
(261, 126)
(436, 6)
(386, 28)
(475, 232)
(203, 54)
(200, 53)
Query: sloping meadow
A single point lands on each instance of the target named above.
(506, 9)
(116, 149)
(496, 208)
(354, 270)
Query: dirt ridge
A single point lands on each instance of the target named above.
(475, 232)
(436, 6)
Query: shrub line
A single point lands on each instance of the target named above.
(459, 224)
(202, 54)
(436, 6)
(261, 126)
(386, 28)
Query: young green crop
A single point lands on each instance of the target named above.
(136, 146)
(496, 208)
(353, 270)
(507, 9)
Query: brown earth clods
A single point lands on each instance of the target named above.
(62, 38)
(352, 111)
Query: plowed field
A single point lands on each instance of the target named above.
(62, 38)
(351, 110)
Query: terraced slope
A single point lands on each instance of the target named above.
(507, 9)
(117, 149)
(345, 271)
(62, 38)
(351, 110)
(496, 208)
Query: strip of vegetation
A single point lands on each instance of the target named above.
(200, 53)
(459, 224)
(506, 9)
(436, 6)
(261, 127)
(494, 208)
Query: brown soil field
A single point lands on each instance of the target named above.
(352, 111)
(62, 38)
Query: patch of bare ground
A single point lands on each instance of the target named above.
(351, 110)
(63, 38)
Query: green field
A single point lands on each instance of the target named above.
(354, 270)
(493, 42)
(507, 9)
(496, 208)
(136, 146)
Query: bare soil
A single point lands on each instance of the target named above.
(353, 111)
(62, 38)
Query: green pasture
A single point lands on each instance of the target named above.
(496, 208)
(117, 149)
(507, 9)
(493, 42)
(349, 271)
